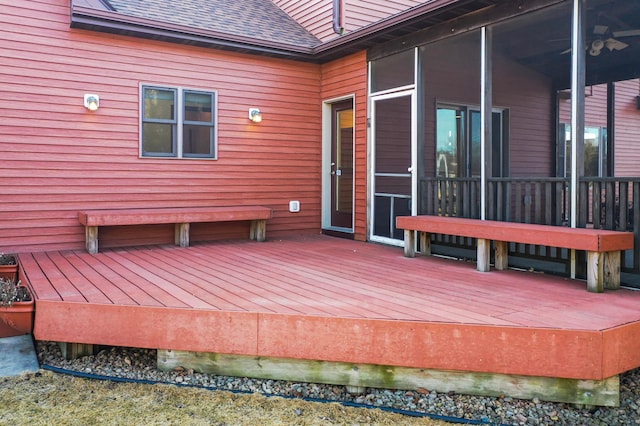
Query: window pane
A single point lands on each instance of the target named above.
(159, 104)
(158, 138)
(197, 140)
(198, 107)
(591, 151)
(450, 135)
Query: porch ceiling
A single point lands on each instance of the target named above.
(544, 43)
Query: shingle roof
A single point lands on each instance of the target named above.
(260, 19)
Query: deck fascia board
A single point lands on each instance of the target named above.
(441, 346)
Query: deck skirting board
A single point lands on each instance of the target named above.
(576, 391)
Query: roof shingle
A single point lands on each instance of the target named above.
(259, 19)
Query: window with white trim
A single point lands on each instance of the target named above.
(177, 123)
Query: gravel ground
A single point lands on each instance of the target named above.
(141, 364)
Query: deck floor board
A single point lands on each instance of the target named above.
(316, 295)
(102, 277)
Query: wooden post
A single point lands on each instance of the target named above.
(425, 243)
(595, 271)
(182, 234)
(612, 270)
(502, 255)
(409, 243)
(91, 237)
(258, 230)
(72, 351)
(484, 255)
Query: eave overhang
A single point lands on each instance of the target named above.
(416, 18)
(115, 23)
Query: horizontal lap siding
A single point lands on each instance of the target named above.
(627, 128)
(344, 77)
(317, 15)
(360, 13)
(59, 158)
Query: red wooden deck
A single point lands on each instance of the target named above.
(330, 299)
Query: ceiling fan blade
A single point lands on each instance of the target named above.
(600, 29)
(627, 33)
(613, 44)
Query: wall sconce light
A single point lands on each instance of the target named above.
(91, 102)
(255, 115)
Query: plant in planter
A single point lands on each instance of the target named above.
(8, 266)
(16, 308)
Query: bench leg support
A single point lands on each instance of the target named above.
(425, 243)
(612, 270)
(595, 272)
(484, 255)
(91, 237)
(182, 234)
(409, 243)
(258, 230)
(502, 255)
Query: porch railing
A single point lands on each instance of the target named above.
(604, 203)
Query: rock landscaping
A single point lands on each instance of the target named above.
(140, 364)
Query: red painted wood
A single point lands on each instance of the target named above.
(99, 276)
(145, 327)
(348, 77)
(554, 236)
(60, 159)
(334, 299)
(172, 215)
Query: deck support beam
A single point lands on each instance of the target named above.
(588, 392)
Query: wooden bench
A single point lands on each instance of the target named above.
(180, 216)
(603, 247)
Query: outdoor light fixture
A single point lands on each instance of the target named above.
(255, 115)
(91, 102)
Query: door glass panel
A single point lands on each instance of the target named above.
(458, 154)
(450, 127)
(342, 165)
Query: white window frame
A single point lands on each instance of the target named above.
(179, 122)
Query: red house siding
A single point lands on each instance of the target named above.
(315, 15)
(360, 13)
(59, 158)
(348, 76)
(627, 128)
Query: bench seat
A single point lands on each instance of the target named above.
(180, 216)
(603, 247)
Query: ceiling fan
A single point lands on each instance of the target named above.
(603, 38)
